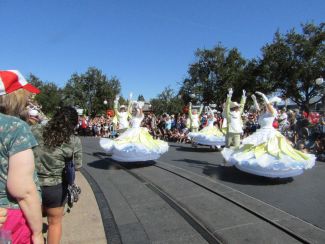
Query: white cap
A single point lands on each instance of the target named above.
(234, 105)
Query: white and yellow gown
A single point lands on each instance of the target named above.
(209, 135)
(268, 153)
(135, 144)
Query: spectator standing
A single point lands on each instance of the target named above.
(84, 125)
(58, 145)
(18, 190)
(283, 121)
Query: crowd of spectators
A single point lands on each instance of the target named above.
(306, 132)
(303, 131)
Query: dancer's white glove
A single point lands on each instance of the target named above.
(257, 107)
(130, 96)
(266, 100)
(230, 92)
(244, 93)
(117, 98)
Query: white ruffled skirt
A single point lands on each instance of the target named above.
(135, 144)
(209, 136)
(268, 153)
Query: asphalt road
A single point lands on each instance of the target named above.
(302, 196)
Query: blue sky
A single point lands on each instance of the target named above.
(146, 44)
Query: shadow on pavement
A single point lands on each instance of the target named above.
(195, 163)
(100, 154)
(233, 175)
(135, 165)
(102, 164)
(107, 163)
(195, 149)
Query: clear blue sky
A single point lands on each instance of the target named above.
(146, 44)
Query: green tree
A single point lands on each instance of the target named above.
(50, 97)
(90, 90)
(141, 98)
(293, 61)
(167, 102)
(213, 73)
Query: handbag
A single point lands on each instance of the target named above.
(69, 178)
(70, 172)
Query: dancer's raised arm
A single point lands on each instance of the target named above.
(201, 109)
(228, 101)
(242, 102)
(116, 105)
(269, 106)
(130, 104)
(257, 107)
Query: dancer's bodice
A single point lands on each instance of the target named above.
(266, 120)
(210, 122)
(136, 121)
(123, 120)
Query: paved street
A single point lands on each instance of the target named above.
(142, 216)
(303, 196)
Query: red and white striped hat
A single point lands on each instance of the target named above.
(12, 80)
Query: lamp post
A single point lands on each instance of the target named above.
(320, 81)
(192, 96)
(105, 103)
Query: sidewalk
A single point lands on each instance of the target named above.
(84, 223)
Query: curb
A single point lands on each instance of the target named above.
(110, 227)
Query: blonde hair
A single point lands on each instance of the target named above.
(15, 103)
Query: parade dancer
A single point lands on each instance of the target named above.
(135, 144)
(209, 135)
(234, 112)
(267, 152)
(194, 120)
(122, 115)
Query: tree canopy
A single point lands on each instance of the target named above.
(90, 90)
(167, 102)
(212, 74)
(293, 61)
(50, 97)
(288, 66)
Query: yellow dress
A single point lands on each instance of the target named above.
(135, 144)
(209, 135)
(268, 153)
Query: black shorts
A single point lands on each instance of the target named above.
(54, 196)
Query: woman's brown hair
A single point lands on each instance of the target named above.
(15, 103)
(60, 128)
